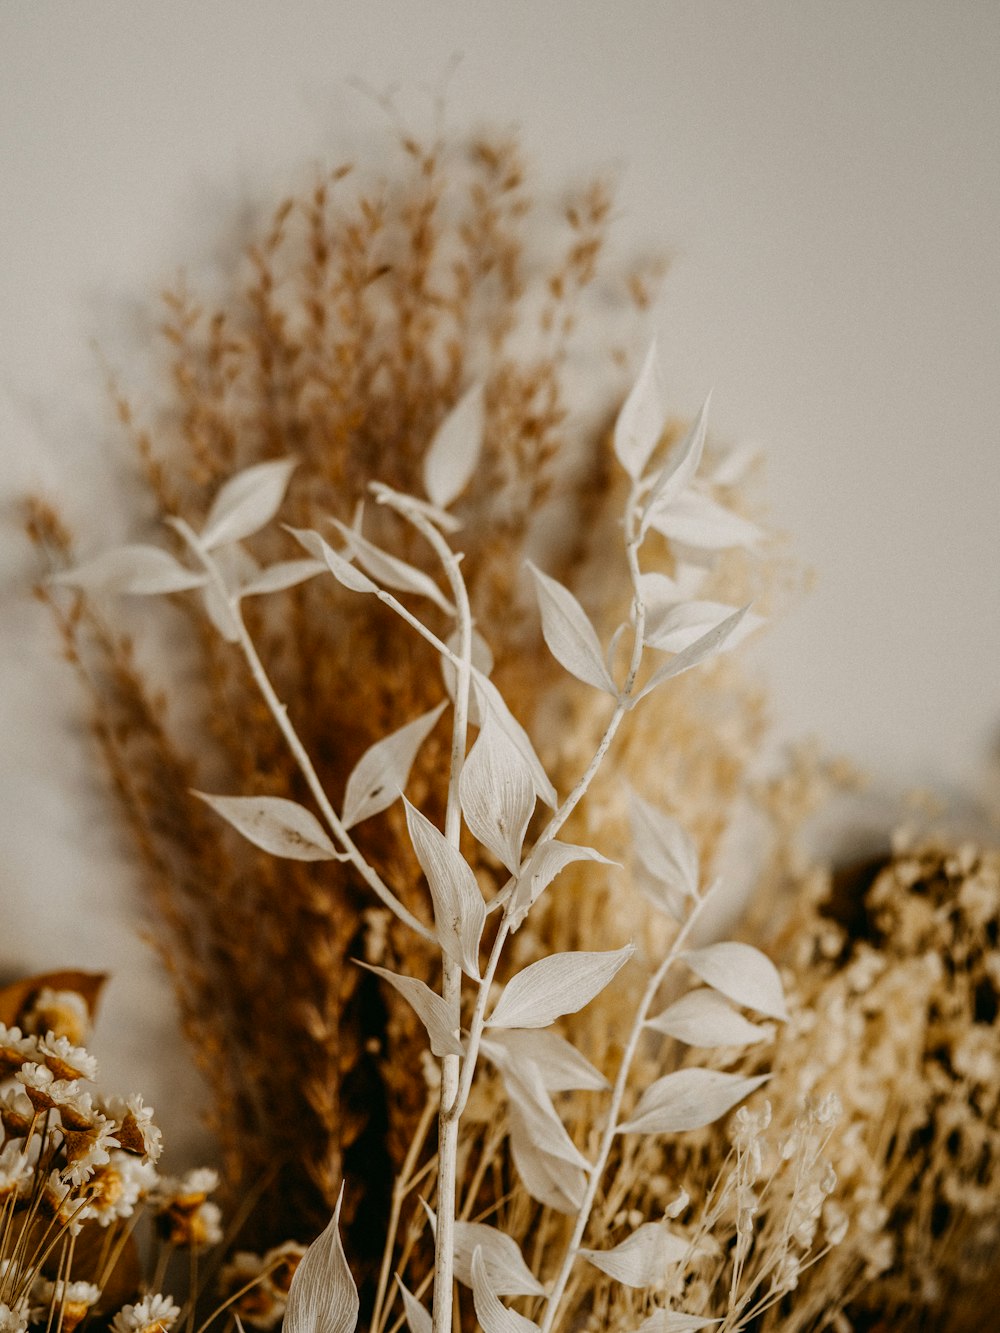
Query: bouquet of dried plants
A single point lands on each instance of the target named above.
(466, 577)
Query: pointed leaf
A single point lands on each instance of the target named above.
(451, 459)
(703, 1018)
(678, 471)
(482, 661)
(641, 420)
(379, 776)
(138, 569)
(675, 1321)
(281, 827)
(342, 570)
(247, 502)
(547, 859)
(688, 1099)
(322, 1297)
(417, 1318)
(679, 626)
(497, 792)
(389, 569)
(509, 1275)
(459, 910)
(220, 612)
(561, 1066)
(664, 847)
(742, 973)
(551, 1180)
(284, 574)
(692, 656)
(527, 1096)
(428, 1006)
(493, 1316)
(695, 519)
(641, 1259)
(560, 984)
(488, 697)
(571, 638)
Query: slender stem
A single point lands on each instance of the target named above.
(596, 1171)
(280, 713)
(399, 1193)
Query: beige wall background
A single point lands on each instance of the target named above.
(825, 178)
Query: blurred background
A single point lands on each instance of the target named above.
(823, 179)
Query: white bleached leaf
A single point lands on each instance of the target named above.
(341, 569)
(493, 1316)
(379, 776)
(497, 792)
(428, 1006)
(695, 519)
(285, 574)
(138, 569)
(489, 698)
(703, 1018)
(459, 910)
(389, 569)
(641, 1259)
(247, 502)
(482, 661)
(640, 422)
(659, 592)
(742, 973)
(700, 651)
(571, 638)
(675, 1321)
(665, 848)
(417, 1318)
(733, 466)
(322, 1297)
(549, 1179)
(509, 1275)
(547, 859)
(279, 826)
(220, 613)
(560, 984)
(561, 1066)
(678, 471)
(454, 451)
(688, 1099)
(677, 627)
(527, 1095)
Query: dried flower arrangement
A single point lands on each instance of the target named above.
(581, 1174)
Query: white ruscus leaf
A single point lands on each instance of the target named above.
(379, 776)
(417, 1318)
(322, 1297)
(285, 574)
(700, 651)
(389, 569)
(493, 1316)
(528, 1099)
(641, 1259)
(640, 422)
(454, 451)
(677, 627)
(742, 973)
(247, 502)
(678, 471)
(697, 520)
(497, 792)
(509, 1275)
(428, 1006)
(489, 698)
(703, 1018)
(688, 1099)
(675, 1321)
(560, 984)
(561, 1066)
(547, 859)
(143, 570)
(341, 569)
(279, 826)
(459, 910)
(571, 638)
(667, 852)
